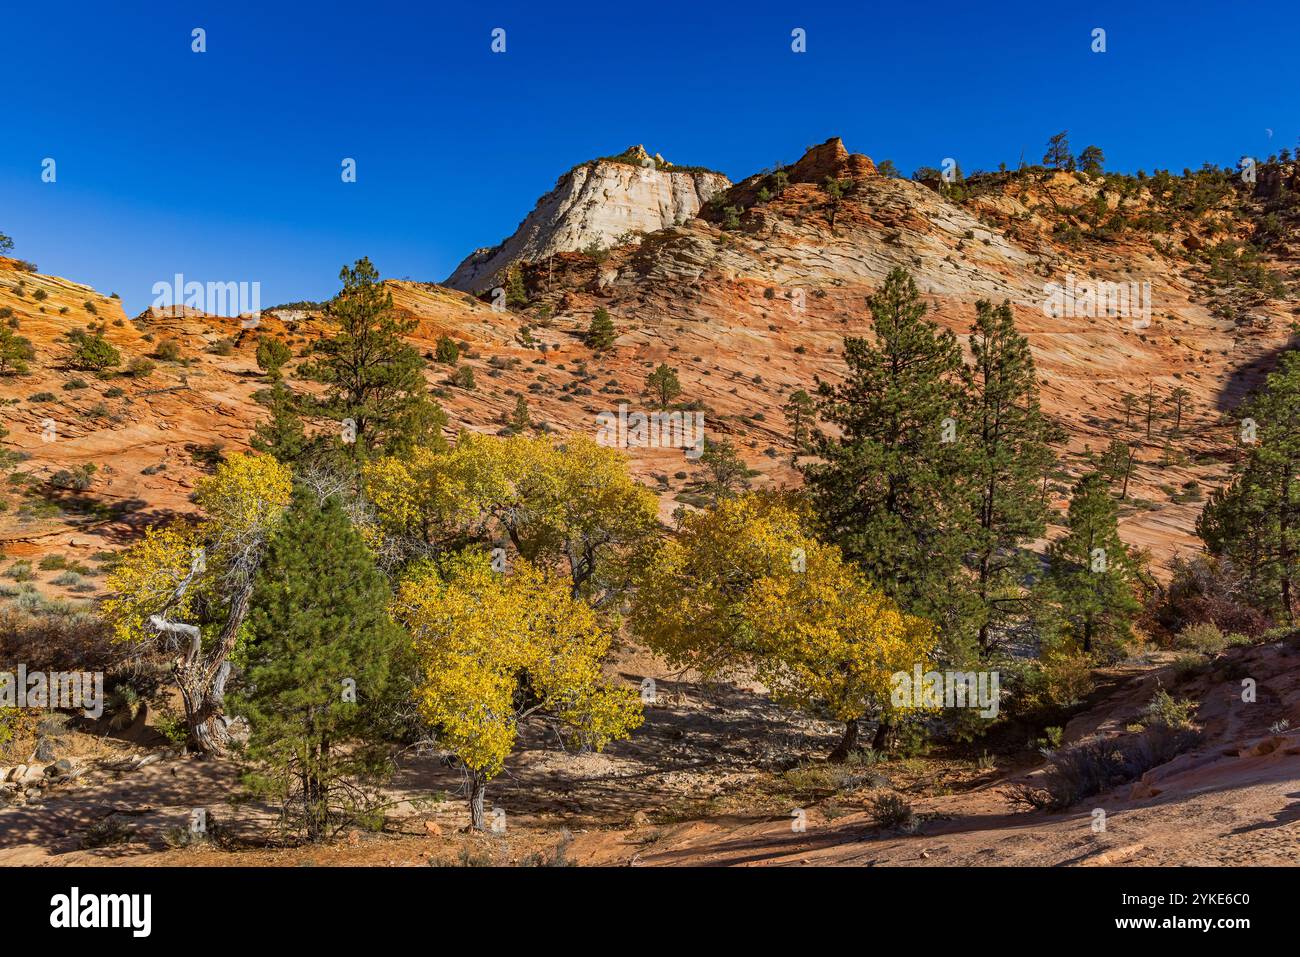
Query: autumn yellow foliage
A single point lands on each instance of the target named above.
(571, 504)
(745, 587)
(496, 649)
(240, 501)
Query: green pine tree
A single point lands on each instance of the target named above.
(886, 486)
(663, 384)
(1006, 436)
(1090, 573)
(601, 333)
(800, 410)
(282, 435)
(520, 420)
(375, 378)
(324, 661)
(15, 352)
(1254, 521)
(446, 351)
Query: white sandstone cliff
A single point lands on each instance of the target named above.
(597, 202)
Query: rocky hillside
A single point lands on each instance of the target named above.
(748, 296)
(595, 205)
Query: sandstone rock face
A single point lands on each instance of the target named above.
(597, 202)
(832, 159)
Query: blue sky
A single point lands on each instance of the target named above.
(225, 165)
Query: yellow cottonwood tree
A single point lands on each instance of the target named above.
(495, 650)
(744, 586)
(570, 504)
(205, 572)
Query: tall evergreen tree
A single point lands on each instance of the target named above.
(375, 378)
(886, 486)
(1090, 573)
(282, 435)
(324, 659)
(1008, 455)
(1255, 520)
(799, 410)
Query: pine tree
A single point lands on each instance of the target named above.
(1008, 454)
(1058, 152)
(601, 333)
(1178, 399)
(324, 660)
(516, 294)
(375, 378)
(1091, 159)
(799, 410)
(1130, 403)
(886, 487)
(520, 419)
(282, 435)
(94, 354)
(1090, 572)
(663, 384)
(1255, 520)
(725, 470)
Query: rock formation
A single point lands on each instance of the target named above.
(596, 203)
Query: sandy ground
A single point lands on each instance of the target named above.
(716, 777)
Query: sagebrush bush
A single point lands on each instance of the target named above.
(1100, 763)
(892, 811)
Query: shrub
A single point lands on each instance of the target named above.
(272, 354)
(1203, 589)
(447, 351)
(42, 397)
(1098, 764)
(140, 368)
(892, 811)
(74, 480)
(1203, 637)
(169, 350)
(463, 378)
(1166, 710)
(94, 354)
(20, 571)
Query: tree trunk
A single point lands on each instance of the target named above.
(478, 788)
(204, 708)
(847, 743)
(881, 740)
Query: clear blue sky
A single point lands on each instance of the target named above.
(225, 165)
